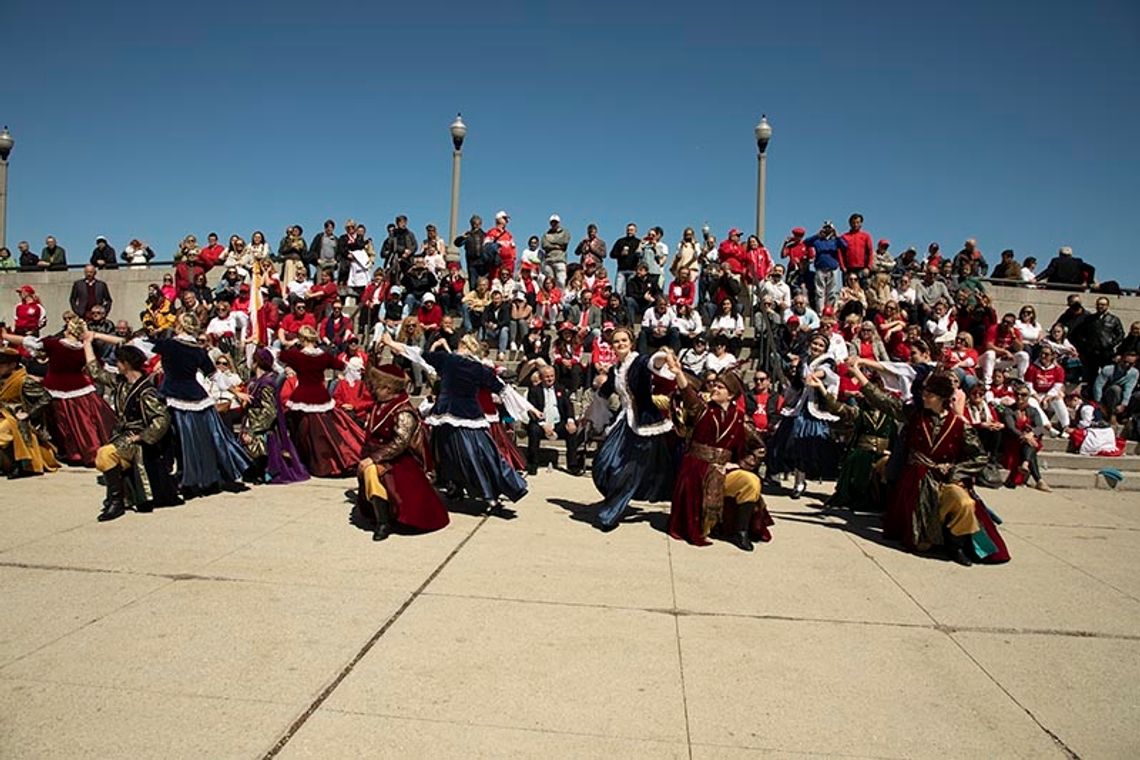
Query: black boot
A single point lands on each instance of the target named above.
(744, 526)
(113, 505)
(957, 548)
(383, 518)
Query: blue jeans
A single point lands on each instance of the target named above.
(499, 336)
(619, 283)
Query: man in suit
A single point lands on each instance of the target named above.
(557, 421)
(90, 292)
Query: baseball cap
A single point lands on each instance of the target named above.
(429, 298)
(502, 215)
(555, 218)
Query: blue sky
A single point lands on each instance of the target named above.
(1009, 122)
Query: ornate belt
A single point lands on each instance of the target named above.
(710, 454)
(875, 443)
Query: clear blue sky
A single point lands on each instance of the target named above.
(1010, 122)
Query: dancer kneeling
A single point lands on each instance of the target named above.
(138, 462)
(710, 470)
(391, 475)
(933, 503)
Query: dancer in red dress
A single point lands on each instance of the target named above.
(327, 438)
(79, 420)
(392, 478)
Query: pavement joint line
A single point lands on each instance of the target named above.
(504, 726)
(804, 752)
(771, 617)
(1079, 569)
(1061, 745)
(680, 653)
(60, 532)
(325, 693)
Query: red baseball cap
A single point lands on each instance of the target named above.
(799, 231)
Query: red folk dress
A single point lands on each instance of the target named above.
(397, 444)
(79, 421)
(328, 440)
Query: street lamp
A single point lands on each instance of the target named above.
(763, 132)
(458, 132)
(6, 143)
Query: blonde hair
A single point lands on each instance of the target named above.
(76, 327)
(187, 323)
(308, 335)
(471, 344)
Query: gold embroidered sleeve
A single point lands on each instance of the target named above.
(692, 405)
(831, 405)
(974, 456)
(35, 397)
(262, 413)
(157, 416)
(100, 375)
(883, 401)
(406, 426)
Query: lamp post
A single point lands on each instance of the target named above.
(763, 134)
(458, 132)
(6, 143)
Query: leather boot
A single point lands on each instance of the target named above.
(113, 505)
(744, 525)
(383, 512)
(957, 548)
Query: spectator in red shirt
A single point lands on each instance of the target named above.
(796, 252)
(860, 254)
(732, 254)
(683, 290)
(1046, 381)
(508, 251)
(291, 324)
(429, 313)
(322, 295)
(210, 256)
(759, 260)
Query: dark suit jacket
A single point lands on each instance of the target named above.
(79, 296)
(536, 396)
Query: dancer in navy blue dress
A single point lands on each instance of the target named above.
(636, 459)
(210, 457)
(465, 455)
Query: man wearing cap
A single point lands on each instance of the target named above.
(53, 256)
(391, 476)
(557, 421)
(556, 241)
(89, 292)
(798, 256)
(827, 251)
(103, 257)
(25, 448)
(501, 236)
(710, 471)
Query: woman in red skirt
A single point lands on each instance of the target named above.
(327, 438)
(80, 421)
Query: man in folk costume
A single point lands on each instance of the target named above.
(25, 447)
(932, 504)
(710, 470)
(391, 474)
(139, 459)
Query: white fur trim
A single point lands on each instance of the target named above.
(190, 406)
(436, 420)
(72, 394)
(296, 406)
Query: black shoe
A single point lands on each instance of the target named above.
(235, 487)
(577, 471)
(959, 555)
(112, 509)
(383, 513)
(798, 491)
(743, 541)
(381, 532)
(531, 470)
(145, 507)
(605, 528)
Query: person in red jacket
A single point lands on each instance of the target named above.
(429, 313)
(351, 392)
(508, 252)
(683, 290)
(732, 254)
(860, 254)
(30, 314)
(210, 256)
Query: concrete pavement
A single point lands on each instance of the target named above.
(265, 624)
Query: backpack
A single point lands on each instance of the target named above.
(489, 257)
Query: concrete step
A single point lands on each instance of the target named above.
(1061, 461)
(1068, 478)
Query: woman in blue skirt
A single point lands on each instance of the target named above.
(636, 460)
(802, 443)
(466, 460)
(209, 456)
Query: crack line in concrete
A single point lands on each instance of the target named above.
(680, 655)
(1056, 739)
(364, 650)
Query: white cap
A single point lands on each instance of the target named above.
(502, 215)
(429, 297)
(100, 237)
(555, 218)
(520, 296)
(396, 289)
